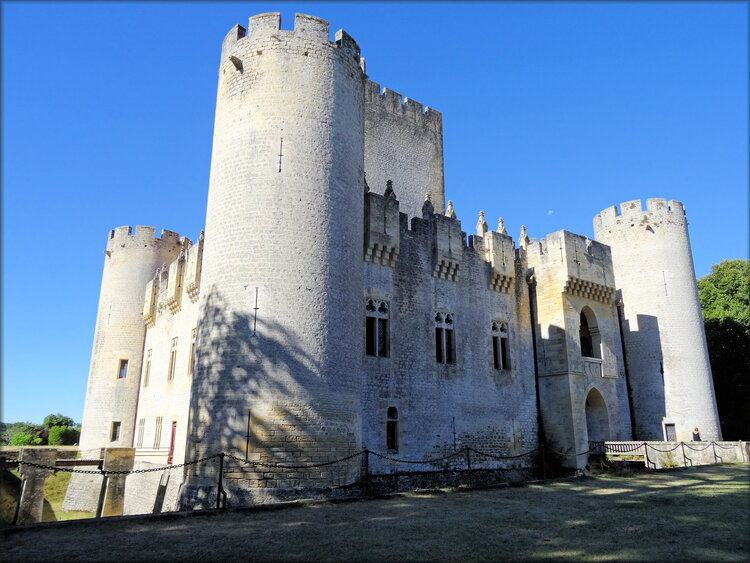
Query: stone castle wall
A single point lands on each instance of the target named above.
(403, 143)
(490, 409)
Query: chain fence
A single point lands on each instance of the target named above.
(634, 449)
(594, 448)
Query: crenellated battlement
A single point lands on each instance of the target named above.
(632, 214)
(400, 106)
(573, 264)
(264, 32)
(144, 236)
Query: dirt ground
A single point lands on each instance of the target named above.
(693, 514)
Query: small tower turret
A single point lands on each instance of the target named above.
(131, 258)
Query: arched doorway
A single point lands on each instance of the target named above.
(597, 421)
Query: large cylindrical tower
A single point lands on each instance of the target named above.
(665, 343)
(279, 335)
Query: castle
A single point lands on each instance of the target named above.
(335, 303)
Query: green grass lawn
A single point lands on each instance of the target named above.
(693, 514)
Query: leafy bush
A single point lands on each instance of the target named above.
(62, 436)
(21, 439)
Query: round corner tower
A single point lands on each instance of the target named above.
(131, 259)
(662, 324)
(279, 339)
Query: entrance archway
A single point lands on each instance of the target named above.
(597, 421)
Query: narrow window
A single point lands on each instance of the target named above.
(157, 433)
(391, 430)
(115, 433)
(376, 328)
(495, 355)
(371, 336)
(500, 350)
(445, 342)
(504, 351)
(123, 372)
(670, 432)
(591, 342)
(147, 369)
(172, 359)
(504, 356)
(141, 429)
(383, 337)
(191, 360)
(438, 344)
(449, 347)
(587, 349)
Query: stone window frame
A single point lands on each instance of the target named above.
(147, 368)
(377, 328)
(122, 370)
(172, 360)
(391, 429)
(445, 337)
(157, 432)
(500, 336)
(589, 336)
(191, 356)
(115, 431)
(141, 432)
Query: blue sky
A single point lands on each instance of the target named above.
(551, 113)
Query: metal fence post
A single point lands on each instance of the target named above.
(102, 493)
(221, 496)
(366, 467)
(468, 464)
(684, 457)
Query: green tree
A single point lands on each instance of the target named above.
(725, 301)
(57, 420)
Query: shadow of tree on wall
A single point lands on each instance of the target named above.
(257, 393)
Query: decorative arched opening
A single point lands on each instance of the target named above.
(597, 420)
(591, 341)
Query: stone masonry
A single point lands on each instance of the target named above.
(335, 303)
